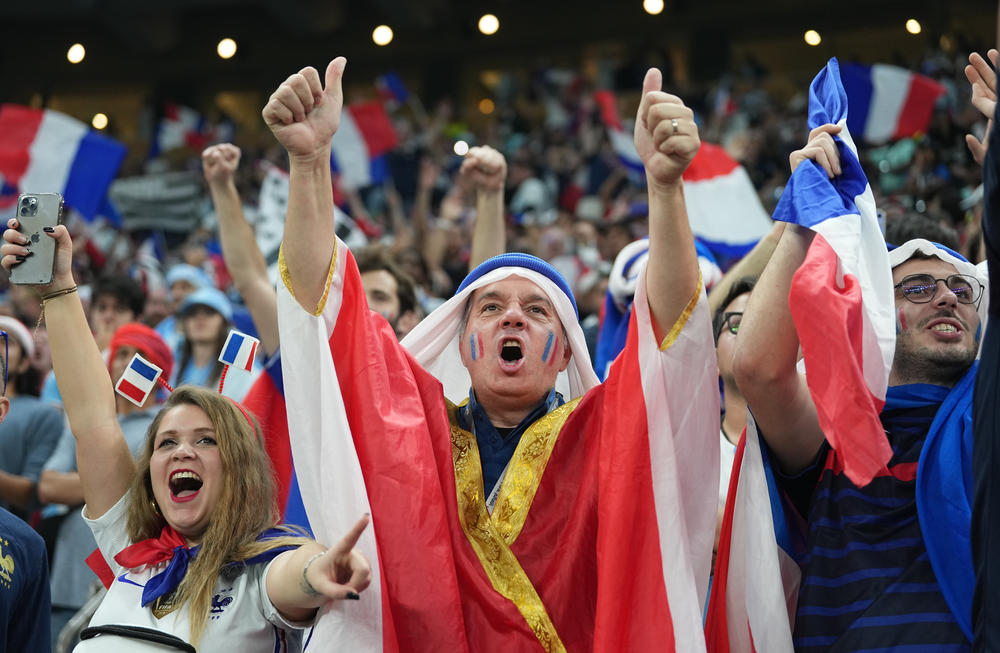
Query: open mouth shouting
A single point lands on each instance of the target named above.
(511, 354)
(184, 485)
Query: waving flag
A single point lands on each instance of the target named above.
(184, 127)
(391, 88)
(888, 102)
(723, 207)
(621, 138)
(44, 151)
(365, 135)
(138, 380)
(842, 297)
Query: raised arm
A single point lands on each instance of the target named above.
(303, 114)
(767, 348)
(666, 139)
(486, 170)
(105, 463)
(983, 77)
(239, 246)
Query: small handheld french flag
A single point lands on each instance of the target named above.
(138, 380)
(239, 350)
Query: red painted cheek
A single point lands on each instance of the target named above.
(902, 320)
(479, 339)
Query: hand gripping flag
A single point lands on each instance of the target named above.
(138, 381)
(842, 297)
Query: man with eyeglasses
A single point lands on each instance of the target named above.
(888, 565)
(734, 416)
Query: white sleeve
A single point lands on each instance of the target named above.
(111, 532)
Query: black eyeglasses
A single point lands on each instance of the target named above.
(731, 321)
(921, 288)
(6, 357)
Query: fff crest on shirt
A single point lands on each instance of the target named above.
(6, 565)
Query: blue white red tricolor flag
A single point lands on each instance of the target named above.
(47, 151)
(391, 88)
(842, 297)
(138, 381)
(842, 302)
(722, 203)
(184, 127)
(365, 135)
(723, 206)
(621, 138)
(888, 102)
(239, 350)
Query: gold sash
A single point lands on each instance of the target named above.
(491, 536)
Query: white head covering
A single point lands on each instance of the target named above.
(16, 329)
(906, 251)
(435, 341)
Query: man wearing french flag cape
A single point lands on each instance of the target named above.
(864, 462)
(540, 509)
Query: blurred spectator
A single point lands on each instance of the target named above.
(29, 434)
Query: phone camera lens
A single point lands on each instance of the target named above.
(24, 210)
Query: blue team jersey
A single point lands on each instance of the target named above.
(867, 583)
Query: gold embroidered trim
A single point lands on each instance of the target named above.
(491, 537)
(286, 277)
(525, 472)
(675, 331)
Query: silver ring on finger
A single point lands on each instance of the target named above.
(673, 126)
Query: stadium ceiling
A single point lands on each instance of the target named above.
(173, 42)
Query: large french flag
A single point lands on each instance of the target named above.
(722, 204)
(365, 135)
(842, 297)
(888, 102)
(44, 151)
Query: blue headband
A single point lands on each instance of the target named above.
(519, 260)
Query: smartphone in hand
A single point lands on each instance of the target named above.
(35, 211)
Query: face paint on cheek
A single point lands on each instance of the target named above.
(472, 346)
(548, 348)
(979, 331)
(900, 322)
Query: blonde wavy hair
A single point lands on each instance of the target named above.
(246, 506)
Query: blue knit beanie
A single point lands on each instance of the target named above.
(520, 260)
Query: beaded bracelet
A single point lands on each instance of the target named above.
(46, 297)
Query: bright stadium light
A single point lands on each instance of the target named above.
(461, 148)
(913, 26)
(489, 24)
(812, 37)
(226, 48)
(382, 35)
(76, 53)
(652, 7)
(99, 121)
